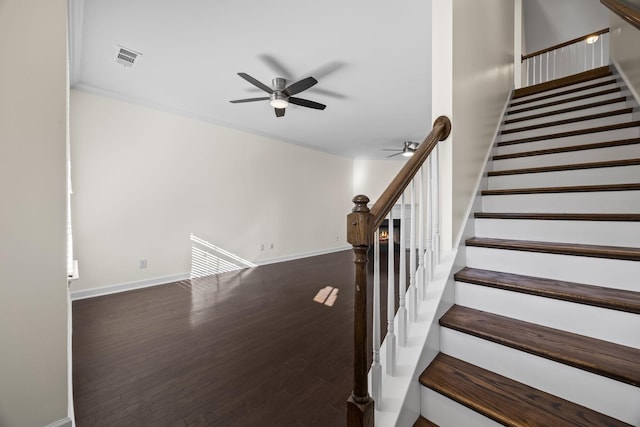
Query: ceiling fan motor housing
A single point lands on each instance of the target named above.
(278, 84)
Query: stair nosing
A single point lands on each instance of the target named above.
(559, 216)
(611, 81)
(567, 167)
(618, 112)
(567, 110)
(579, 356)
(532, 399)
(558, 248)
(563, 189)
(579, 293)
(568, 149)
(571, 133)
(564, 101)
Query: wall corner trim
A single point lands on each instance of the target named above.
(65, 422)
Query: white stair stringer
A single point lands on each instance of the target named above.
(581, 319)
(610, 397)
(609, 273)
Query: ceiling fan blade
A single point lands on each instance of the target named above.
(277, 66)
(279, 112)
(299, 86)
(255, 82)
(307, 103)
(236, 101)
(393, 155)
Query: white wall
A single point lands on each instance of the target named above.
(371, 177)
(144, 180)
(33, 285)
(624, 42)
(550, 22)
(483, 43)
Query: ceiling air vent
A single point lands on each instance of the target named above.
(127, 57)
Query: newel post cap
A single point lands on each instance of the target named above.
(358, 222)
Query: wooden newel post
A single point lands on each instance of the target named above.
(360, 409)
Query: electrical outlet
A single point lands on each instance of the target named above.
(143, 263)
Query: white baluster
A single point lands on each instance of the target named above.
(436, 207)
(413, 300)
(421, 212)
(402, 278)
(430, 210)
(547, 67)
(391, 299)
(376, 368)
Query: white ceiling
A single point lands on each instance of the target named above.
(371, 57)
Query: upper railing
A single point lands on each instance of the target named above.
(629, 13)
(571, 57)
(362, 232)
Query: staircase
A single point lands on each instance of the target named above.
(545, 330)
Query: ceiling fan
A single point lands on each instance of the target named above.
(406, 151)
(280, 95)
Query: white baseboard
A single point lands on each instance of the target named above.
(155, 281)
(301, 255)
(65, 422)
(123, 287)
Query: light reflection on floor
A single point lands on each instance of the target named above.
(327, 296)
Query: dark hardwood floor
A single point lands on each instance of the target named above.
(239, 349)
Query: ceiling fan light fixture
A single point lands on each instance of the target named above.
(278, 100)
(592, 39)
(407, 152)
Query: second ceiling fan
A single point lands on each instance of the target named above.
(280, 95)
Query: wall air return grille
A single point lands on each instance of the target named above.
(127, 57)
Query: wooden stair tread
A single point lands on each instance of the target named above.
(423, 422)
(568, 167)
(506, 401)
(618, 112)
(564, 92)
(567, 110)
(564, 101)
(559, 216)
(598, 296)
(568, 149)
(600, 357)
(564, 189)
(576, 249)
(584, 76)
(578, 132)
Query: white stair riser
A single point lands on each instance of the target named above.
(619, 134)
(604, 324)
(514, 114)
(610, 273)
(446, 412)
(595, 176)
(631, 151)
(536, 101)
(563, 116)
(606, 233)
(610, 397)
(569, 87)
(592, 202)
(583, 124)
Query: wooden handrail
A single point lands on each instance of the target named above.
(565, 44)
(629, 13)
(361, 223)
